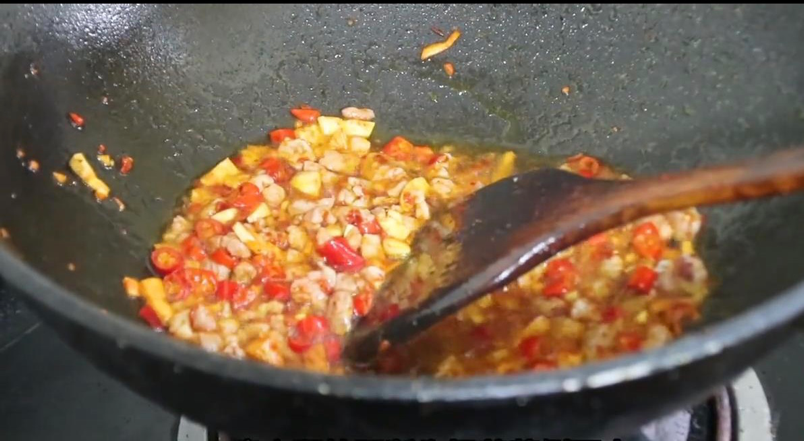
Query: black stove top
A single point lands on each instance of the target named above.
(49, 392)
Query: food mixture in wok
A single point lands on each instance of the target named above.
(277, 251)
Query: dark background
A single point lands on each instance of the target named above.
(49, 392)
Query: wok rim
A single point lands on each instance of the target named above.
(695, 346)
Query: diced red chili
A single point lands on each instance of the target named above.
(398, 148)
(362, 303)
(126, 164)
(227, 290)
(237, 160)
(642, 279)
(306, 331)
(422, 154)
(560, 276)
(647, 241)
(277, 291)
(177, 287)
(600, 245)
(630, 341)
(529, 347)
(208, 228)
(279, 135)
(222, 257)
(586, 166)
(268, 270)
(482, 332)
(369, 227)
(390, 312)
(332, 347)
(247, 188)
(611, 314)
(557, 268)
(340, 256)
(313, 325)
(306, 115)
(180, 284)
(195, 208)
(277, 169)
(76, 120)
(364, 226)
(166, 260)
(193, 249)
(202, 281)
(149, 315)
(244, 297)
(248, 198)
(438, 159)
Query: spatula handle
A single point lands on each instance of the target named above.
(774, 174)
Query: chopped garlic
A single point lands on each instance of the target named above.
(226, 216)
(260, 212)
(60, 177)
(395, 248)
(82, 168)
(687, 248)
(393, 225)
(356, 127)
(242, 233)
(329, 124)
(504, 167)
(220, 174)
(415, 191)
(359, 145)
(131, 286)
(307, 183)
(106, 160)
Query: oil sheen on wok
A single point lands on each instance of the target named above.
(277, 251)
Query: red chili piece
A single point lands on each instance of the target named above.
(647, 241)
(166, 260)
(149, 315)
(220, 256)
(76, 120)
(642, 279)
(306, 115)
(559, 277)
(277, 291)
(126, 164)
(340, 256)
(208, 228)
(306, 332)
(279, 135)
(227, 290)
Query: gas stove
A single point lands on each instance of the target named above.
(735, 413)
(49, 392)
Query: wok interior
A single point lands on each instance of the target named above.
(652, 90)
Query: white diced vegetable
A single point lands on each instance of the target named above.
(356, 127)
(260, 212)
(307, 183)
(394, 248)
(225, 216)
(219, 175)
(242, 233)
(329, 124)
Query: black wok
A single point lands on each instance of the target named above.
(652, 88)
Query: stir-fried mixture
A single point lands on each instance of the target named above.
(277, 251)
